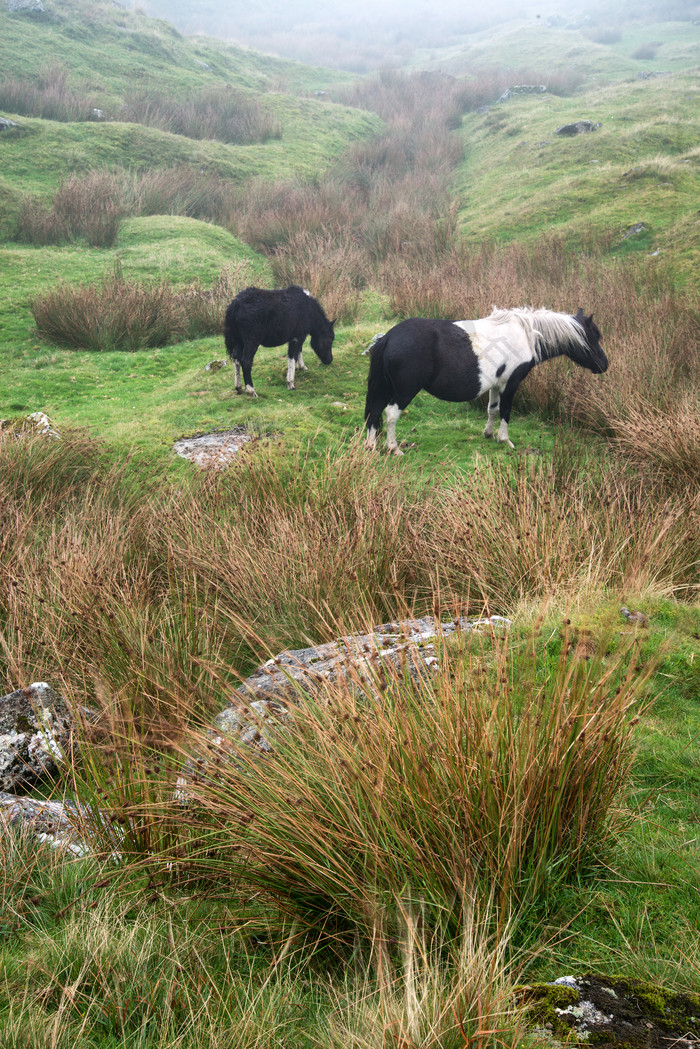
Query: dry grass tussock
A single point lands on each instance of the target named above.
(47, 95)
(148, 601)
(159, 591)
(356, 812)
(118, 314)
(92, 206)
(220, 113)
(150, 975)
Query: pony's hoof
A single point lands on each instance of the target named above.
(508, 443)
(250, 390)
(239, 389)
(488, 434)
(291, 386)
(395, 451)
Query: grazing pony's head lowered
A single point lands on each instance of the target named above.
(553, 334)
(322, 339)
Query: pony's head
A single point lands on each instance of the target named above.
(589, 354)
(322, 340)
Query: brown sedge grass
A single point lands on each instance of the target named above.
(491, 779)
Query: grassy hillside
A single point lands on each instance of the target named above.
(616, 52)
(641, 166)
(111, 49)
(409, 855)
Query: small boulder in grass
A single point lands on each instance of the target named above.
(35, 727)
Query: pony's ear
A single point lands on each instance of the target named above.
(579, 314)
(333, 323)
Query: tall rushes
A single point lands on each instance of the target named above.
(431, 993)
(496, 778)
(165, 592)
(121, 314)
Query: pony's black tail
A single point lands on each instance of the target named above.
(230, 330)
(378, 390)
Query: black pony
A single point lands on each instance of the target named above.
(258, 317)
(458, 360)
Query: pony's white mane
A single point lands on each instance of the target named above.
(551, 328)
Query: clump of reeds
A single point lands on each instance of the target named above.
(121, 314)
(90, 206)
(221, 113)
(497, 777)
(48, 95)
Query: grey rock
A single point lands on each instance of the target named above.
(262, 702)
(52, 821)
(523, 89)
(34, 730)
(25, 7)
(635, 230)
(650, 74)
(634, 616)
(213, 451)
(97, 115)
(6, 124)
(579, 127)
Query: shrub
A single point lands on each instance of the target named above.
(211, 113)
(48, 95)
(497, 778)
(92, 206)
(646, 52)
(118, 314)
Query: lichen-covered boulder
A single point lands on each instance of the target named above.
(25, 7)
(34, 730)
(264, 698)
(579, 127)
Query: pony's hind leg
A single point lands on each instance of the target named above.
(291, 364)
(300, 363)
(246, 363)
(392, 413)
(373, 418)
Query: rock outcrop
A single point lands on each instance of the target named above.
(34, 728)
(266, 696)
(579, 127)
(25, 7)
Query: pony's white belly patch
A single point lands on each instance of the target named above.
(499, 348)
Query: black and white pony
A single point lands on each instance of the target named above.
(258, 317)
(458, 360)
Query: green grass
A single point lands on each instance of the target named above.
(606, 181)
(538, 49)
(134, 963)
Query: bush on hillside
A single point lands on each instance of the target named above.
(92, 206)
(118, 314)
(48, 95)
(220, 113)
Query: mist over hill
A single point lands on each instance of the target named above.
(364, 35)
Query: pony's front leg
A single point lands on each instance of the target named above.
(502, 435)
(492, 412)
(293, 361)
(237, 374)
(392, 414)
